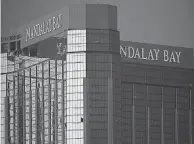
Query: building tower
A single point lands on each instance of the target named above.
(93, 75)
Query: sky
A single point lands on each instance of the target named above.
(165, 22)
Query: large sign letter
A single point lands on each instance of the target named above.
(123, 51)
(27, 34)
(166, 58)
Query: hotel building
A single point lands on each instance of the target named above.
(75, 82)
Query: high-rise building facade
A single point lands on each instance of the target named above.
(75, 82)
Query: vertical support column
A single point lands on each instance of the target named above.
(36, 76)
(14, 110)
(49, 105)
(56, 105)
(176, 118)
(6, 120)
(87, 132)
(6, 111)
(42, 107)
(133, 115)
(148, 125)
(36, 115)
(30, 110)
(62, 94)
(148, 116)
(18, 110)
(162, 118)
(110, 111)
(190, 115)
(49, 112)
(36, 107)
(24, 108)
(65, 99)
(53, 122)
(37, 110)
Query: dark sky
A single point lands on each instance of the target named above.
(167, 22)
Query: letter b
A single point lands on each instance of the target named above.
(166, 58)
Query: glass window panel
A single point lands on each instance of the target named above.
(75, 74)
(83, 74)
(75, 103)
(69, 67)
(69, 75)
(74, 66)
(75, 111)
(71, 119)
(76, 96)
(80, 81)
(70, 90)
(81, 66)
(74, 82)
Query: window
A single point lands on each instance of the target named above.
(25, 51)
(33, 51)
(18, 45)
(12, 46)
(4, 47)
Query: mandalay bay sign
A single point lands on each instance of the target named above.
(150, 54)
(44, 27)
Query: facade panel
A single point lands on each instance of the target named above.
(76, 72)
